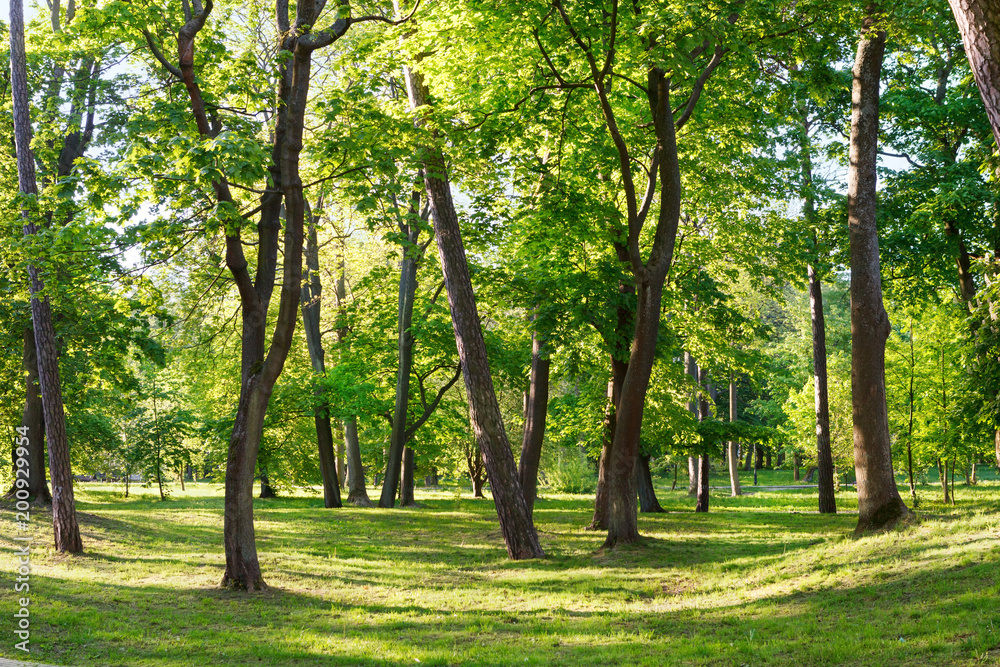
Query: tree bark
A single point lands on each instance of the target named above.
(996, 443)
(703, 461)
(535, 412)
(407, 293)
(644, 481)
(33, 423)
(691, 368)
(357, 489)
(66, 530)
(733, 460)
(311, 299)
(406, 480)
(519, 533)
(979, 23)
(879, 504)
(824, 454)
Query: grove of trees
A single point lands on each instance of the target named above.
(670, 236)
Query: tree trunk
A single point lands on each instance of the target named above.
(66, 530)
(404, 318)
(824, 454)
(796, 462)
(431, 478)
(996, 443)
(622, 493)
(909, 430)
(733, 460)
(750, 452)
(979, 23)
(406, 480)
(519, 533)
(474, 461)
(644, 481)
(33, 424)
(357, 490)
(703, 463)
(767, 457)
(535, 411)
(673, 487)
(759, 458)
(691, 368)
(311, 300)
(879, 504)
(265, 485)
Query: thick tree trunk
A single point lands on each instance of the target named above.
(431, 478)
(33, 424)
(767, 455)
(824, 454)
(406, 480)
(535, 411)
(733, 459)
(265, 485)
(703, 462)
(758, 462)
(518, 531)
(357, 490)
(311, 299)
(66, 530)
(879, 504)
(644, 481)
(622, 516)
(979, 23)
(398, 437)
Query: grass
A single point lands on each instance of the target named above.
(760, 580)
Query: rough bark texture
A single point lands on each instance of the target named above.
(879, 504)
(824, 454)
(518, 530)
(535, 410)
(733, 459)
(644, 480)
(32, 420)
(66, 530)
(619, 366)
(979, 23)
(311, 298)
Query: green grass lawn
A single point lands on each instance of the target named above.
(760, 580)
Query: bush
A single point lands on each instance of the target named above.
(571, 473)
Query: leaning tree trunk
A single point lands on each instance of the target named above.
(879, 504)
(311, 299)
(644, 481)
(398, 437)
(824, 454)
(518, 531)
(32, 423)
(979, 23)
(703, 460)
(66, 530)
(734, 449)
(535, 411)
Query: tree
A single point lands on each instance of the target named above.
(311, 298)
(979, 23)
(518, 530)
(879, 504)
(67, 532)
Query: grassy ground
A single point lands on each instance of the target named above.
(760, 580)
